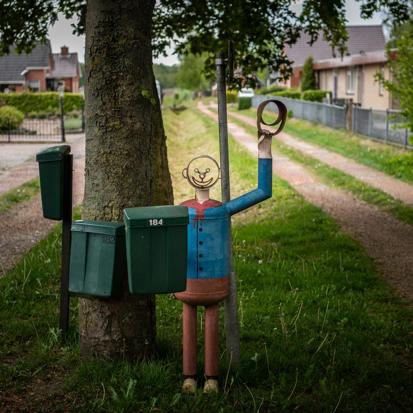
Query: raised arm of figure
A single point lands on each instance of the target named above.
(264, 189)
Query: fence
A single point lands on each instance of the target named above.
(329, 115)
(383, 125)
(51, 128)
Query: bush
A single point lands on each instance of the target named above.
(244, 103)
(10, 118)
(46, 102)
(232, 96)
(269, 90)
(308, 76)
(314, 95)
(289, 93)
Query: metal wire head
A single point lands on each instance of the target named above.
(280, 120)
(202, 172)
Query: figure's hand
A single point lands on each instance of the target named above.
(264, 146)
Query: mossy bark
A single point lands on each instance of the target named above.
(126, 160)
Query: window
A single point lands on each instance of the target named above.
(351, 81)
(33, 85)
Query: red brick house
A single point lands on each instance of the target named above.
(40, 70)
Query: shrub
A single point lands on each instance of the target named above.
(232, 96)
(289, 93)
(290, 114)
(46, 102)
(244, 103)
(10, 118)
(308, 77)
(314, 95)
(270, 90)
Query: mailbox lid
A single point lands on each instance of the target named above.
(99, 227)
(54, 153)
(156, 216)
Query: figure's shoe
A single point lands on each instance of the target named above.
(211, 386)
(189, 386)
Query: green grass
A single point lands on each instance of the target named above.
(321, 332)
(386, 158)
(338, 179)
(19, 194)
(73, 123)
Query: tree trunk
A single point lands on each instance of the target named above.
(126, 160)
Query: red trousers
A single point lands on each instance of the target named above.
(190, 340)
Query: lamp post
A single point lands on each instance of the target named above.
(61, 89)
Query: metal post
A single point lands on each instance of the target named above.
(387, 125)
(66, 238)
(62, 118)
(231, 312)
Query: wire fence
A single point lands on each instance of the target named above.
(384, 125)
(51, 128)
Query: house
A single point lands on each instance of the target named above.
(352, 76)
(40, 70)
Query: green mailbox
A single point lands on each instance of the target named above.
(53, 168)
(156, 248)
(97, 258)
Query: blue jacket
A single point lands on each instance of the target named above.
(208, 238)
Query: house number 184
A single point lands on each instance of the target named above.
(155, 222)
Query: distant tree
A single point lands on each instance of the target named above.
(400, 56)
(191, 73)
(308, 78)
(166, 75)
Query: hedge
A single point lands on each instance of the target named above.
(289, 93)
(244, 103)
(232, 96)
(10, 118)
(270, 89)
(314, 95)
(42, 101)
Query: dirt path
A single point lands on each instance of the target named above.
(392, 186)
(385, 239)
(23, 164)
(24, 226)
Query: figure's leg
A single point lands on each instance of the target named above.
(211, 348)
(189, 352)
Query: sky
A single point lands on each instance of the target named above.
(61, 34)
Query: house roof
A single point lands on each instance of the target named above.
(361, 39)
(13, 64)
(378, 56)
(64, 65)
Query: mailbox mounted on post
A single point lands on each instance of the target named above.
(156, 248)
(53, 168)
(97, 258)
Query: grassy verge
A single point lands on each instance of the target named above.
(15, 196)
(341, 180)
(391, 160)
(321, 332)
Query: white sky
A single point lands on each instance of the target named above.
(61, 34)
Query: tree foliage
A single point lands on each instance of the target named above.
(400, 54)
(260, 29)
(166, 75)
(308, 78)
(191, 73)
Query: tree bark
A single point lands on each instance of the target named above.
(126, 160)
